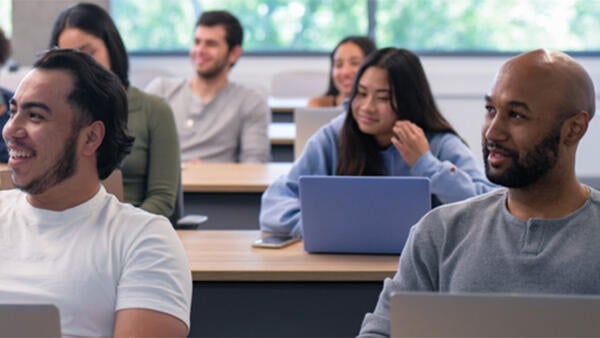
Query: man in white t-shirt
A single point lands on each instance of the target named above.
(110, 268)
(217, 120)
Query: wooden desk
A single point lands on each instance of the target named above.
(245, 291)
(282, 135)
(228, 193)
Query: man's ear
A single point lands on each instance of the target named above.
(234, 54)
(92, 135)
(575, 127)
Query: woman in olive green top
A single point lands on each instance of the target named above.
(151, 171)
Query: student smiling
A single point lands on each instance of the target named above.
(345, 59)
(393, 128)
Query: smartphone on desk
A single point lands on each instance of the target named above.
(274, 241)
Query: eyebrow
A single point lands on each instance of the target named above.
(28, 105)
(84, 46)
(512, 103)
(379, 90)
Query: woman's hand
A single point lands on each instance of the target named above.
(410, 141)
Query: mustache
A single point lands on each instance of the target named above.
(490, 144)
(11, 142)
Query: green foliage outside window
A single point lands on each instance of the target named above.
(299, 26)
(269, 25)
(488, 25)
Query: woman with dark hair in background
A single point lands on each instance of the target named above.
(151, 171)
(345, 59)
(393, 128)
(5, 95)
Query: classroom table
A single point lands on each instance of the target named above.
(245, 291)
(228, 193)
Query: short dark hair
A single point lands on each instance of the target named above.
(366, 45)
(234, 34)
(99, 96)
(94, 20)
(4, 48)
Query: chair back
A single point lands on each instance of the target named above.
(178, 211)
(114, 184)
(5, 179)
(298, 83)
(308, 121)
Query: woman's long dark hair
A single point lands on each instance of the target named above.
(94, 20)
(363, 42)
(411, 99)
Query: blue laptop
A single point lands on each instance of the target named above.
(361, 214)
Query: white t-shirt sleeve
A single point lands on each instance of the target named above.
(156, 273)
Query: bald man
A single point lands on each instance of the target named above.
(541, 233)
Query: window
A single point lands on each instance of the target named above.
(301, 26)
(6, 16)
(269, 25)
(488, 25)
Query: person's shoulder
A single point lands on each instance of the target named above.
(150, 100)
(456, 219)
(168, 81)
(244, 91)
(165, 86)
(594, 196)
(9, 196)
(6, 93)
(147, 101)
(443, 138)
(127, 219)
(474, 205)
(320, 101)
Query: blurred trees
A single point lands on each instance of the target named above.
(421, 25)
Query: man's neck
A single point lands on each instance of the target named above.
(65, 195)
(207, 88)
(547, 200)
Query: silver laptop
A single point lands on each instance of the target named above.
(29, 320)
(308, 121)
(423, 314)
(361, 214)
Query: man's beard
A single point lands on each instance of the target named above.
(214, 71)
(61, 170)
(528, 170)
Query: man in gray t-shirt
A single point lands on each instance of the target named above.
(217, 120)
(541, 233)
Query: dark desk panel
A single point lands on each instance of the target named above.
(282, 153)
(225, 211)
(282, 116)
(281, 309)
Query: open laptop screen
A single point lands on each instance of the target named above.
(424, 314)
(29, 320)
